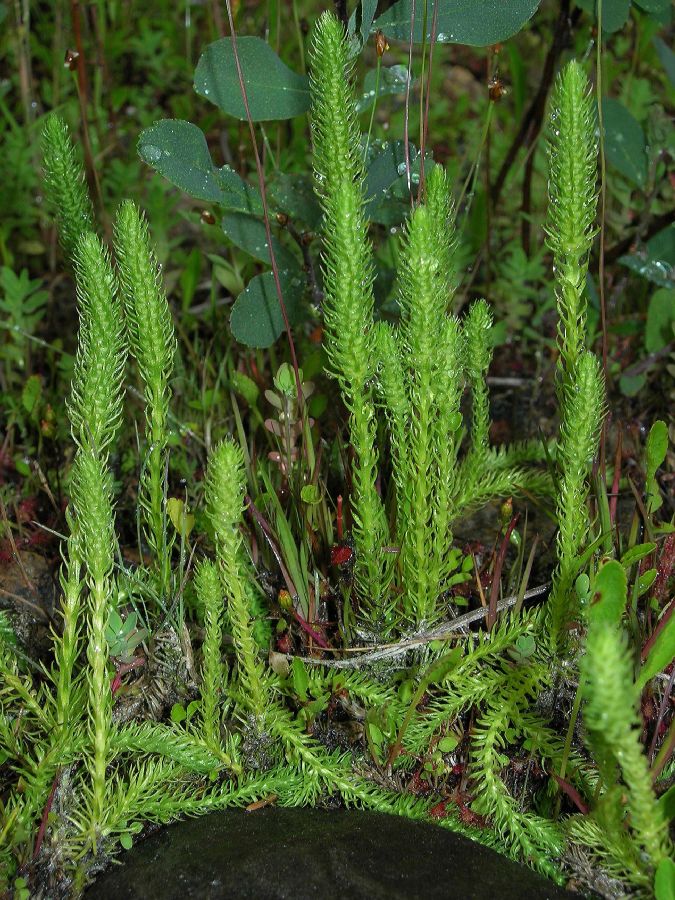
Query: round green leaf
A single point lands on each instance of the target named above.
(653, 5)
(664, 880)
(256, 318)
(610, 588)
(248, 233)
(660, 320)
(656, 260)
(614, 13)
(126, 840)
(474, 22)
(273, 90)
(294, 194)
(666, 56)
(625, 143)
(393, 80)
(178, 151)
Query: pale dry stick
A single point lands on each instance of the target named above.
(388, 651)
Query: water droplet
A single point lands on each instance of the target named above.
(400, 168)
(151, 152)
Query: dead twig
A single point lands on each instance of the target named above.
(442, 632)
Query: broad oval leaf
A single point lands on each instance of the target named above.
(273, 90)
(609, 602)
(294, 195)
(393, 80)
(625, 143)
(256, 318)
(656, 260)
(667, 58)
(248, 233)
(614, 13)
(660, 320)
(474, 22)
(661, 652)
(178, 151)
(653, 6)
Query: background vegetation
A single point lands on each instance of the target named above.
(155, 107)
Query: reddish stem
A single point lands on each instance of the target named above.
(615, 481)
(263, 195)
(122, 669)
(406, 129)
(339, 519)
(45, 816)
(425, 125)
(497, 574)
(663, 621)
(572, 793)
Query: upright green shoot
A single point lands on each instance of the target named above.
(570, 230)
(348, 287)
(210, 593)
(613, 726)
(95, 409)
(153, 344)
(573, 196)
(65, 186)
(224, 490)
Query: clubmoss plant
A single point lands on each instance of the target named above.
(224, 493)
(421, 366)
(153, 344)
(464, 720)
(613, 730)
(209, 591)
(570, 230)
(65, 187)
(573, 196)
(348, 288)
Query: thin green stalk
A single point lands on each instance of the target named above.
(348, 285)
(209, 592)
(153, 343)
(378, 71)
(224, 491)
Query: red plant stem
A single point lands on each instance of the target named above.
(664, 753)
(663, 621)
(339, 518)
(425, 125)
(315, 636)
(496, 575)
(616, 481)
(263, 195)
(406, 124)
(269, 536)
(572, 793)
(665, 700)
(83, 97)
(135, 663)
(45, 816)
(664, 568)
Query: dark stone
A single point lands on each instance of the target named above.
(273, 854)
